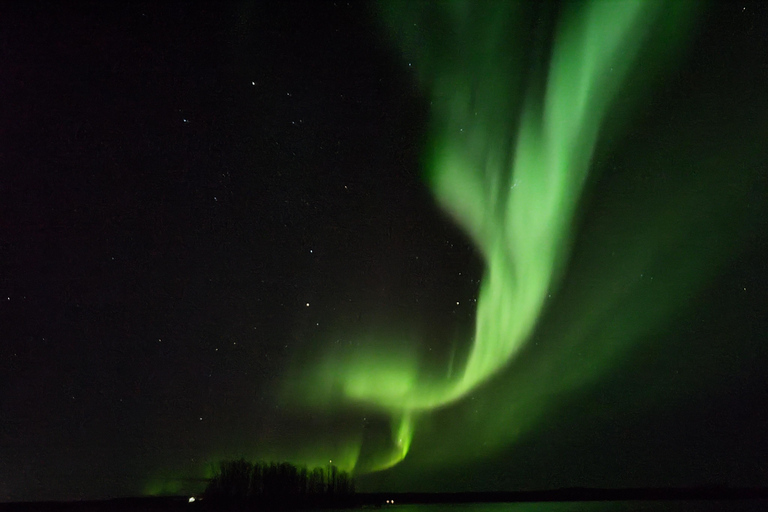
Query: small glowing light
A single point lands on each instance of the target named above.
(307, 304)
(191, 499)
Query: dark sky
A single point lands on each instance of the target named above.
(195, 195)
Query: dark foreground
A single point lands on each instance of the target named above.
(368, 500)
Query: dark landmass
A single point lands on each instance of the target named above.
(382, 499)
(575, 494)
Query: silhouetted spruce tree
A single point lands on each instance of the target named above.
(241, 483)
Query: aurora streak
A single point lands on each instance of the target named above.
(513, 137)
(509, 160)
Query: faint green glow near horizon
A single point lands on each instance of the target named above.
(508, 162)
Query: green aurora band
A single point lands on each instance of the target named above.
(527, 100)
(509, 160)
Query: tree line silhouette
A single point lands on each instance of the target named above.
(240, 482)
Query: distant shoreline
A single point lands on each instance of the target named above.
(164, 503)
(579, 494)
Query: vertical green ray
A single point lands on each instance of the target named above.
(512, 137)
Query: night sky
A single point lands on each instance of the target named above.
(203, 203)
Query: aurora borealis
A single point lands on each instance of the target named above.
(449, 246)
(514, 189)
